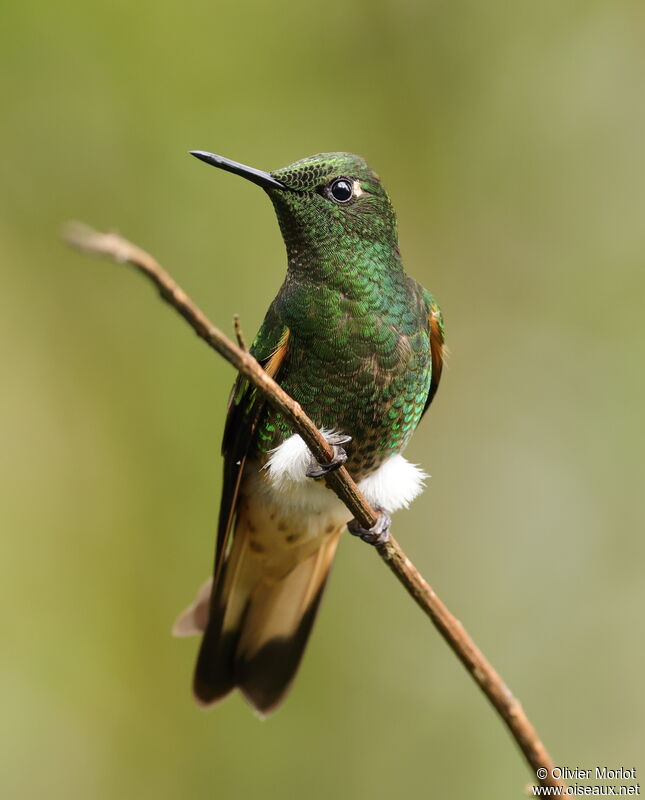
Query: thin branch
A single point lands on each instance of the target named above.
(238, 332)
(340, 481)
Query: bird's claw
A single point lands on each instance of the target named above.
(377, 534)
(317, 470)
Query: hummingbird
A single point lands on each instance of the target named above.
(360, 345)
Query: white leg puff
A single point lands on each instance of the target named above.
(394, 485)
(291, 461)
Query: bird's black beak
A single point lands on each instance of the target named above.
(264, 179)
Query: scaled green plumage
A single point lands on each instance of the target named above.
(359, 356)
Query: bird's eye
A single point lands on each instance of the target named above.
(341, 190)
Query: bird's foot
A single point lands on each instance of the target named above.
(378, 534)
(336, 440)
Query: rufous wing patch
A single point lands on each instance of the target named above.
(276, 358)
(437, 350)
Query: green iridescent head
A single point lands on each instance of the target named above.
(325, 203)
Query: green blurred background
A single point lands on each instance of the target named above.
(510, 137)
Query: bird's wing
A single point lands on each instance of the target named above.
(437, 347)
(245, 407)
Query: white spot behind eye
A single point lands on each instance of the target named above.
(357, 189)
